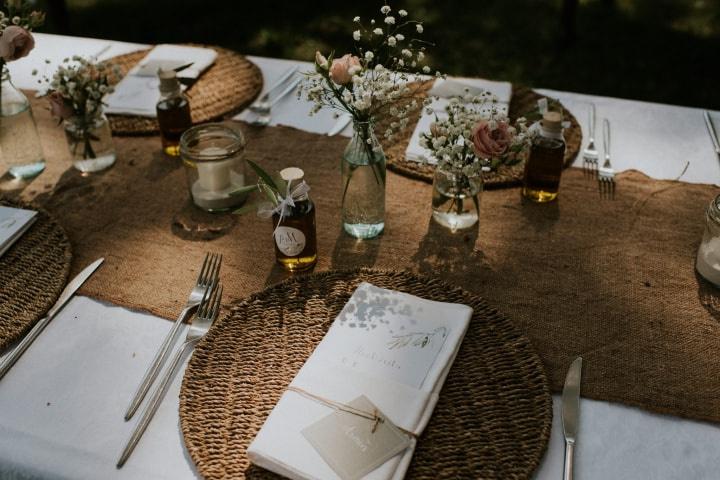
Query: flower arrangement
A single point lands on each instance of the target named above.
(475, 136)
(387, 54)
(17, 20)
(75, 93)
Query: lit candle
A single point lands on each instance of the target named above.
(214, 176)
(708, 260)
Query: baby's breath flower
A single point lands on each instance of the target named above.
(391, 41)
(400, 37)
(378, 31)
(419, 28)
(402, 13)
(390, 20)
(369, 55)
(356, 35)
(385, 10)
(356, 19)
(406, 53)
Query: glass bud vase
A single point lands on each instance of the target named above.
(20, 147)
(363, 184)
(90, 142)
(456, 198)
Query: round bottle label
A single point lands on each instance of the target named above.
(290, 241)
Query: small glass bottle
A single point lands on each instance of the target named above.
(173, 112)
(295, 239)
(545, 163)
(707, 262)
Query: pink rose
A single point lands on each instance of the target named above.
(59, 108)
(487, 143)
(344, 68)
(15, 42)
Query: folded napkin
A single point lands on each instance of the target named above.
(138, 92)
(14, 222)
(393, 348)
(445, 89)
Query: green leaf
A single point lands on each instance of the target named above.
(270, 193)
(267, 179)
(247, 208)
(244, 190)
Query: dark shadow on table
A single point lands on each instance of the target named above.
(351, 252)
(540, 216)
(277, 274)
(709, 296)
(441, 250)
(194, 224)
(12, 187)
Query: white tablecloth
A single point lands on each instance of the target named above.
(61, 406)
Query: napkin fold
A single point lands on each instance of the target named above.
(351, 361)
(446, 89)
(138, 92)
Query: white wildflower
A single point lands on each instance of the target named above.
(400, 37)
(356, 19)
(420, 56)
(406, 52)
(390, 20)
(356, 35)
(419, 28)
(402, 13)
(369, 55)
(385, 10)
(391, 41)
(378, 31)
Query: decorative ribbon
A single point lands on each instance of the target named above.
(267, 210)
(374, 416)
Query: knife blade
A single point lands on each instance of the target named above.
(342, 122)
(711, 131)
(571, 413)
(66, 295)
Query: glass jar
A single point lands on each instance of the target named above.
(707, 263)
(90, 142)
(456, 198)
(20, 147)
(213, 157)
(363, 177)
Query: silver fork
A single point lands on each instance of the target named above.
(209, 273)
(590, 154)
(263, 117)
(206, 314)
(263, 103)
(606, 174)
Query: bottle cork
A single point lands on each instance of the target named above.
(168, 81)
(292, 174)
(552, 122)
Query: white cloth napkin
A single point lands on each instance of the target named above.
(138, 92)
(14, 222)
(445, 89)
(336, 371)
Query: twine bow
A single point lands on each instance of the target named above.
(267, 210)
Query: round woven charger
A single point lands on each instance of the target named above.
(524, 100)
(492, 421)
(224, 89)
(33, 273)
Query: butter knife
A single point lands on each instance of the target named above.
(571, 414)
(342, 122)
(66, 295)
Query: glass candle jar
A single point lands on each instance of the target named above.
(708, 255)
(213, 157)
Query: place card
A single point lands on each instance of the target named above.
(386, 334)
(353, 445)
(14, 222)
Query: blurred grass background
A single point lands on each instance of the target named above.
(656, 50)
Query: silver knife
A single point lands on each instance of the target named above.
(571, 413)
(711, 131)
(66, 295)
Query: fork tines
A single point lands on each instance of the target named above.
(606, 184)
(210, 269)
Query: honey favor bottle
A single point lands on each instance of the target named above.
(295, 238)
(545, 163)
(173, 112)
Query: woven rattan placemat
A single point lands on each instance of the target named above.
(492, 420)
(33, 273)
(224, 89)
(524, 100)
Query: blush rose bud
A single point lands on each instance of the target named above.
(343, 69)
(15, 42)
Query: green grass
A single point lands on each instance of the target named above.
(656, 50)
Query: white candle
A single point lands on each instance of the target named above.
(214, 176)
(708, 260)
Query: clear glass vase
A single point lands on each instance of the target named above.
(456, 199)
(20, 147)
(363, 178)
(90, 142)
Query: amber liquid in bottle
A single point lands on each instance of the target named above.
(543, 169)
(173, 116)
(295, 239)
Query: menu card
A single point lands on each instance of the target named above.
(14, 222)
(387, 351)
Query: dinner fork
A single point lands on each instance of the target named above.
(590, 154)
(606, 174)
(206, 314)
(263, 103)
(263, 117)
(209, 273)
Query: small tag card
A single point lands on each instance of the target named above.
(353, 445)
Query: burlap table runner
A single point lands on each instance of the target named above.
(610, 280)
